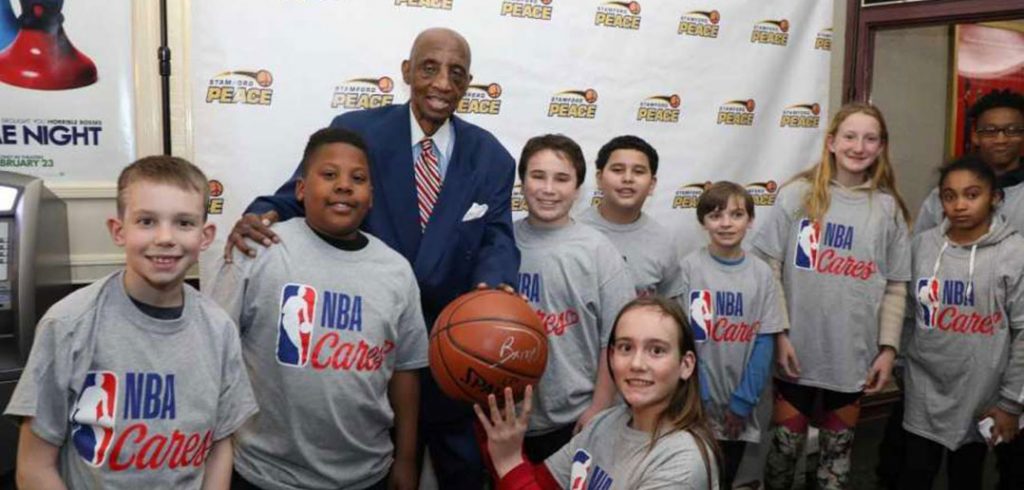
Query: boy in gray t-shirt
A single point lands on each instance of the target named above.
(576, 280)
(627, 169)
(734, 311)
(136, 381)
(332, 335)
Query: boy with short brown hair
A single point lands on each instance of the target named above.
(137, 380)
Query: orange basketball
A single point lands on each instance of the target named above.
(484, 341)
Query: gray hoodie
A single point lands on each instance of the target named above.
(965, 350)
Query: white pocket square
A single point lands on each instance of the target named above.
(476, 211)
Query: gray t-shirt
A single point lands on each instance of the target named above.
(649, 249)
(731, 305)
(1012, 208)
(133, 401)
(608, 454)
(965, 349)
(323, 330)
(577, 281)
(834, 276)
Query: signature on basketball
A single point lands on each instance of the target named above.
(508, 352)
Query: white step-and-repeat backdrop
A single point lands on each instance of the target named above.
(723, 89)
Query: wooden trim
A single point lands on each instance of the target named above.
(866, 21)
(97, 190)
(850, 49)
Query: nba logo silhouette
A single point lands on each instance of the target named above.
(92, 417)
(807, 245)
(579, 470)
(928, 299)
(701, 313)
(295, 324)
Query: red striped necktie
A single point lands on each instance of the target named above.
(428, 180)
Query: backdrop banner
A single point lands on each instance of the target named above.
(732, 90)
(66, 89)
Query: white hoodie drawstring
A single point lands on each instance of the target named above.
(970, 266)
(970, 270)
(938, 260)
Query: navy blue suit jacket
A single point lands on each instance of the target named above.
(451, 256)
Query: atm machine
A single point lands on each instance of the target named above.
(34, 274)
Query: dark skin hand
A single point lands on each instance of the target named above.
(734, 424)
(254, 226)
(1005, 425)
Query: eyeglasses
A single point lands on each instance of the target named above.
(993, 131)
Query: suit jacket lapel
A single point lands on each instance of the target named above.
(395, 178)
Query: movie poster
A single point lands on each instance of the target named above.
(66, 87)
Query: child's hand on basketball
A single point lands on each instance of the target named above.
(505, 432)
(733, 425)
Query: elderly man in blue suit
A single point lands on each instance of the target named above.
(441, 192)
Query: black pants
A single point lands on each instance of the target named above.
(538, 448)
(893, 445)
(732, 456)
(923, 457)
(1010, 462)
(446, 429)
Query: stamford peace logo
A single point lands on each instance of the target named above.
(737, 113)
(700, 23)
(763, 193)
(801, 116)
(769, 31)
(518, 200)
(427, 4)
(241, 87)
(687, 195)
(659, 108)
(577, 104)
(216, 204)
(364, 93)
(623, 15)
(527, 9)
(481, 99)
(597, 197)
(823, 40)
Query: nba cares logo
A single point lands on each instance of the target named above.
(928, 300)
(92, 417)
(295, 324)
(579, 470)
(807, 241)
(701, 313)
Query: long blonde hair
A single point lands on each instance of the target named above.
(881, 176)
(685, 411)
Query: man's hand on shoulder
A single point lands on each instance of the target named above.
(252, 226)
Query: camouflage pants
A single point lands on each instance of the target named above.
(833, 472)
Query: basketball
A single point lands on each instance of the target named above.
(484, 341)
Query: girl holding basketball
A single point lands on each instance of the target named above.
(965, 352)
(659, 439)
(838, 238)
